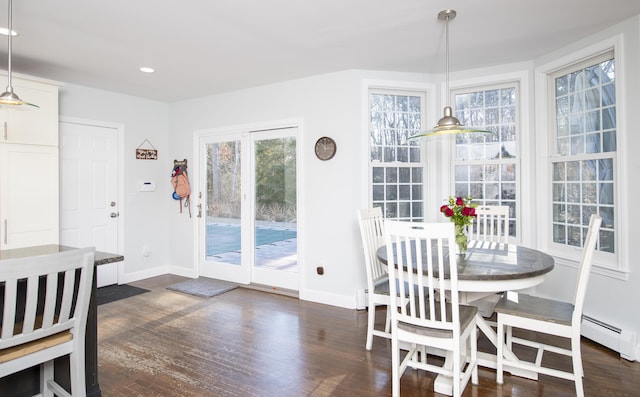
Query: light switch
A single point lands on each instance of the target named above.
(147, 186)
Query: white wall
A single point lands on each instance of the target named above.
(145, 215)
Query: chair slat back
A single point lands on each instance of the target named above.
(45, 295)
(371, 225)
(585, 266)
(426, 249)
(491, 224)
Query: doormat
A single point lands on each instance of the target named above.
(113, 293)
(203, 287)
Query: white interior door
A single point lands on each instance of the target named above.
(89, 214)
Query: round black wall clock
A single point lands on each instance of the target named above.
(325, 148)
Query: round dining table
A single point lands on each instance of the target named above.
(490, 267)
(486, 269)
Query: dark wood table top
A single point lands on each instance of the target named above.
(494, 262)
(101, 258)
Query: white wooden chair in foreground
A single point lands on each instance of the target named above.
(550, 317)
(428, 313)
(44, 316)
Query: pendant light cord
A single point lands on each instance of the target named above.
(447, 60)
(10, 87)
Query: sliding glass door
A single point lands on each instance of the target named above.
(275, 256)
(248, 229)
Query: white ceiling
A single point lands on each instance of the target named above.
(204, 47)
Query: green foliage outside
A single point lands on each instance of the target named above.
(275, 180)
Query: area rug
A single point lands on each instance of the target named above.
(113, 293)
(203, 287)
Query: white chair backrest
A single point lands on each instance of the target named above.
(372, 232)
(45, 295)
(491, 224)
(426, 248)
(585, 266)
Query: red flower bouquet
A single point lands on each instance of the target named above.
(461, 211)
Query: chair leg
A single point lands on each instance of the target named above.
(456, 380)
(46, 374)
(387, 325)
(474, 355)
(77, 369)
(500, 351)
(370, 323)
(395, 368)
(576, 358)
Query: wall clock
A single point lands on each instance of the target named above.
(325, 148)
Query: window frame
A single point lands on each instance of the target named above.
(610, 264)
(526, 208)
(398, 90)
(489, 86)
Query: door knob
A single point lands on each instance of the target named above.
(115, 214)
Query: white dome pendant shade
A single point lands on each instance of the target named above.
(9, 99)
(448, 124)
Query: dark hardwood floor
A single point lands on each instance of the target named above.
(252, 343)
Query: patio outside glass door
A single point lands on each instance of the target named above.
(249, 232)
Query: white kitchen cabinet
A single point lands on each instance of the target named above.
(28, 195)
(29, 167)
(39, 127)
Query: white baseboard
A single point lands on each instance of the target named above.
(345, 301)
(148, 273)
(183, 271)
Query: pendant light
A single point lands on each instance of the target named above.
(448, 124)
(10, 99)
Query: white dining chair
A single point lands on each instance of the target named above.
(44, 316)
(491, 224)
(371, 224)
(424, 288)
(561, 319)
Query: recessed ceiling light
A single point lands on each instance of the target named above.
(145, 69)
(5, 32)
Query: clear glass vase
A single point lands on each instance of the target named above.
(461, 239)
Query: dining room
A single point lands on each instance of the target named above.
(560, 148)
(331, 266)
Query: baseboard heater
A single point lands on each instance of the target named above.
(611, 336)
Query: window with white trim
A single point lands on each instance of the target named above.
(583, 152)
(485, 165)
(395, 163)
